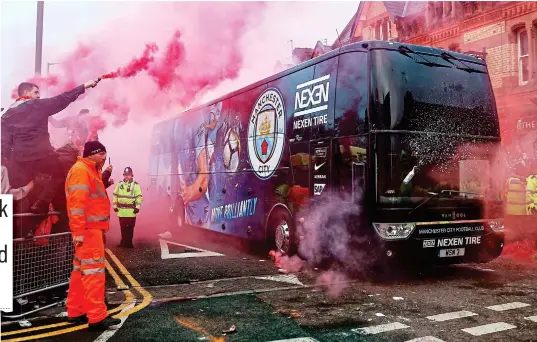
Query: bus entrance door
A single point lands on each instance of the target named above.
(321, 153)
(358, 180)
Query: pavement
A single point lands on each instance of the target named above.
(197, 286)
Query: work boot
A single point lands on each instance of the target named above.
(40, 207)
(104, 324)
(83, 319)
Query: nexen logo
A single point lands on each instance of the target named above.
(316, 97)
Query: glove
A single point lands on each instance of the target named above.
(136, 210)
(116, 210)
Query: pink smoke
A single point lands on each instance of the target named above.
(333, 282)
(159, 66)
(324, 235)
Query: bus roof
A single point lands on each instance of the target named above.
(362, 46)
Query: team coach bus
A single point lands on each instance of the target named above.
(407, 132)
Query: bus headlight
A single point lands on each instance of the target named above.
(394, 231)
(496, 225)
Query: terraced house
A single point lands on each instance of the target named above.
(501, 32)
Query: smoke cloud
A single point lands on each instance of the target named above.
(327, 241)
(163, 58)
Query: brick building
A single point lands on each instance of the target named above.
(502, 32)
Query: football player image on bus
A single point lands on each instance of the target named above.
(201, 163)
(192, 170)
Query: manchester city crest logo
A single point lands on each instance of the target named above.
(266, 133)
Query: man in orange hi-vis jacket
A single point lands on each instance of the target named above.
(88, 207)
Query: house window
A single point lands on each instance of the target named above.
(523, 57)
(389, 29)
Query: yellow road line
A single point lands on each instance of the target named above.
(48, 334)
(147, 299)
(129, 298)
(147, 296)
(43, 327)
(190, 325)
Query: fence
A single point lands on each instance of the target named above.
(41, 263)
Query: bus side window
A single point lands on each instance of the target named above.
(351, 95)
(300, 164)
(325, 92)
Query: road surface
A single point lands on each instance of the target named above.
(195, 287)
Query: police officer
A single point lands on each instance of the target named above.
(127, 202)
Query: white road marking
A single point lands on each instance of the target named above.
(450, 315)
(531, 318)
(287, 278)
(398, 298)
(105, 336)
(165, 252)
(300, 339)
(489, 328)
(508, 306)
(377, 329)
(426, 339)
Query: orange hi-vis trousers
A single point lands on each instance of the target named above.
(87, 284)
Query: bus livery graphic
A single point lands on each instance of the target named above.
(266, 133)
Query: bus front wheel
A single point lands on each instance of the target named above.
(281, 232)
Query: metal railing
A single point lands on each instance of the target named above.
(41, 263)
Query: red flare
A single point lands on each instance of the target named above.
(109, 75)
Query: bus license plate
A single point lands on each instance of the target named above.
(446, 253)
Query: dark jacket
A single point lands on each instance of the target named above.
(25, 126)
(68, 155)
(106, 178)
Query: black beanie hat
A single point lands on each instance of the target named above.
(93, 147)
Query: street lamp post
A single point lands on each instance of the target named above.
(39, 37)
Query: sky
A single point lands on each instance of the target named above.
(69, 22)
(212, 34)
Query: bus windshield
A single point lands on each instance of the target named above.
(435, 124)
(417, 92)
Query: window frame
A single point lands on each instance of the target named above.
(520, 57)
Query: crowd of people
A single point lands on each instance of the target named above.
(70, 183)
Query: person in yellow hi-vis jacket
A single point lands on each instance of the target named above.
(127, 202)
(531, 195)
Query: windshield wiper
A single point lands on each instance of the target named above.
(406, 50)
(442, 193)
(447, 56)
(433, 195)
(464, 193)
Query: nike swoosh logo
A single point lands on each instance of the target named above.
(317, 167)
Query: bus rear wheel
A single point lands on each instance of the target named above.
(281, 232)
